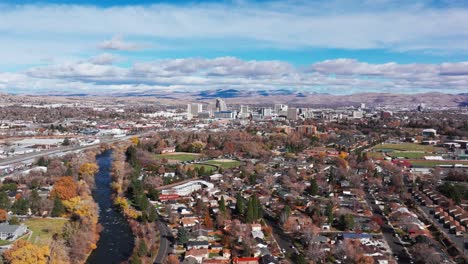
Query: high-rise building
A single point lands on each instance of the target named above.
(280, 108)
(266, 112)
(292, 113)
(220, 105)
(194, 108)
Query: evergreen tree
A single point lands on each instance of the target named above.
(313, 189)
(58, 209)
(142, 248)
(4, 201)
(152, 215)
(20, 206)
(69, 172)
(250, 217)
(35, 202)
(222, 205)
(329, 211)
(239, 204)
(182, 235)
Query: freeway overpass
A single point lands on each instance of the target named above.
(61, 150)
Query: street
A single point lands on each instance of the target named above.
(395, 243)
(165, 243)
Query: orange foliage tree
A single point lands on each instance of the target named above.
(23, 252)
(3, 215)
(65, 188)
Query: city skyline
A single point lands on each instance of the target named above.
(338, 47)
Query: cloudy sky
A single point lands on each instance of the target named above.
(334, 46)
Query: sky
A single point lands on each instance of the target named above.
(335, 46)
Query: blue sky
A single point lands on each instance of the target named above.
(338, 46)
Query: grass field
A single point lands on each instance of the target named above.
(409, 155)
(179, 156)
(405, 147)
(433, 163)
(44, 228)
(225, 164)
(208, 168)
(375, 155)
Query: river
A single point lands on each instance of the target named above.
(116, 242)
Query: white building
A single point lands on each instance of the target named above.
(188, 188)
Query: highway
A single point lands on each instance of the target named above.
(60, 150)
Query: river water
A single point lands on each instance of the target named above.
(116, 242)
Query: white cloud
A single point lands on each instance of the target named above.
(117, 43)
(333, 25)
(334, 76)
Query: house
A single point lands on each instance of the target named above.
(11, 232)
(198, 254)
(197, 244)
(168, 150)
(189, 221)
(245, 260)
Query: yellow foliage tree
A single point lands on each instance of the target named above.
(135, 140)
(23, 252)
(78, 206)
(87, 170)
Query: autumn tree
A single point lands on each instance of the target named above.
(87, 170)
(3, 215)
(24, 252)
(65, 188)
(172, 259)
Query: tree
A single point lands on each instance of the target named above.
(222, 205)
(142, 248)
(239, 204)
(313, 189)
(58, 209)
(207, 220)
(20, 206)
(3, 215)
(14, 220)
(250, 217)
(329, 212)
(182, 235)
(42, 162)
(347, 221)
(152, 215)
(24, 252)
(87, 170)
(65, 188)
(172, 259)
(4, 201)
(35, 202)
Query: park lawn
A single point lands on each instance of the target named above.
(433, 163)
(375, 155)
(225, 164)
(405, 147)
(208, 168)
(44, 228)
(180, 156)
(5, 242)
(409, 155)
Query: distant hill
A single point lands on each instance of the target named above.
(259, 97)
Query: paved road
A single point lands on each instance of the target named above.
(165, 244)
(60, 150)
(281, 238)
(387, 231)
